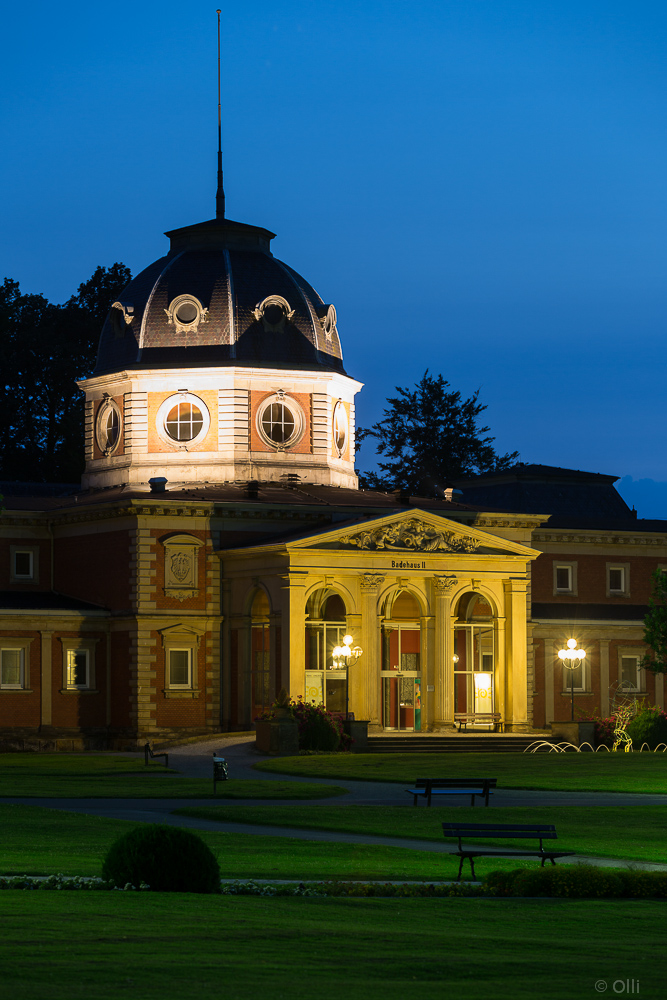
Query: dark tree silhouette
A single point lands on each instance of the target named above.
(429, 436)
(44, 349)
(655, 626)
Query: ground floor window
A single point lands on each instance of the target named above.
(12, 674)
(179, 668)
(325, 629)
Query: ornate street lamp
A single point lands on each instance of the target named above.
(343, 657)
(571, 658)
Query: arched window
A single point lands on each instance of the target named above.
(325, 628)
(401, 663)
(474, 655)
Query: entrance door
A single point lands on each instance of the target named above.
(401, 678)
(401, 702)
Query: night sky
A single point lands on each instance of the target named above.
(477, 185)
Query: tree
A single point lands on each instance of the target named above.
(44, 349)
(430, 437)
(655, 626)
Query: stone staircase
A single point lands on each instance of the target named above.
(454, 743)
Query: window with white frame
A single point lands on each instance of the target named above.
(179, 668)
(630, 671)
(618, 580)
(12, 668)
(14, 664)
(23, 563)
(565, 577)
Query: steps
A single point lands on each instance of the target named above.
(456, 743)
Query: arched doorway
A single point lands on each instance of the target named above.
(474, 656)
(401, 663)
(325, 628)
(261, 695)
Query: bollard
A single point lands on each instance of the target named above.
(220, 772)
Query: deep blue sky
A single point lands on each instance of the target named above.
(478, 186)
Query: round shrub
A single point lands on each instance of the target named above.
(648, 726)
(166, 858)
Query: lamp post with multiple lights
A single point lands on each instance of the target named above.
(345, 656)
(571, 657)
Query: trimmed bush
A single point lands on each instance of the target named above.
(166, 858)
(578, 882)
(648, 726)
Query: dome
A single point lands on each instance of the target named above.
(219, 298)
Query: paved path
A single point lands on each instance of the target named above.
(195, 760)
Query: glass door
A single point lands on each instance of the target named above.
(401, 678)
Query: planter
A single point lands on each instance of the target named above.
(573, 732)
(358, 730)
(278, 737)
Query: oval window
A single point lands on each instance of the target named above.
(112, 429)
(108, 427)
(340, 427)
(187, 312)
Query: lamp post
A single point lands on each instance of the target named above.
(571, 657)
(345, 656)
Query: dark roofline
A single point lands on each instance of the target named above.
(535, 472)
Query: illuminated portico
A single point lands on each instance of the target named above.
(415, 590)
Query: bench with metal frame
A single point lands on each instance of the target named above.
(498, 831)
(426, 788)
(148, 753)
(465, 719)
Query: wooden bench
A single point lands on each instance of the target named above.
(148, 753)
(465, 719)
(426, 788)
(497, 831)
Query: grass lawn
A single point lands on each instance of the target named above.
(67, 945)
(572, 772)
(38, 841)
(632, 832)
(106, 777)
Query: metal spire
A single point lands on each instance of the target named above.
(220, 194)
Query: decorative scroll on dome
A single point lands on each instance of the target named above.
(414, 535)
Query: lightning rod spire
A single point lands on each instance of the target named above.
(220, 194)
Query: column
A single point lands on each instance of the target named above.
(604, 677)
(293, 632)
(371, 644)
(441, 701)
(516, 686)
(46, 659)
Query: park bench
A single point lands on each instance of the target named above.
(497, 831)
(148, 753)
(426, 788)
(465, 719)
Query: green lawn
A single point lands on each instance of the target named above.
(77, 946)
(575, 772)
(633, 832)
(38, 841)
(106, 777)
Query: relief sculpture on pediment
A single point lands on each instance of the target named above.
(413, 535)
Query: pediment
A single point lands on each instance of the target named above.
(413, 531)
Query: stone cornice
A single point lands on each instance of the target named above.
(598, 538)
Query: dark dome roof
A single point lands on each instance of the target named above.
(239, 306)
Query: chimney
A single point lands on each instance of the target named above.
(158, 484)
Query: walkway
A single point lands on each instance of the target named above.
(195, 761)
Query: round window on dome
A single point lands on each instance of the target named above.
(187, 312)
(108, 427)
(183, 420)
(280, 422)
